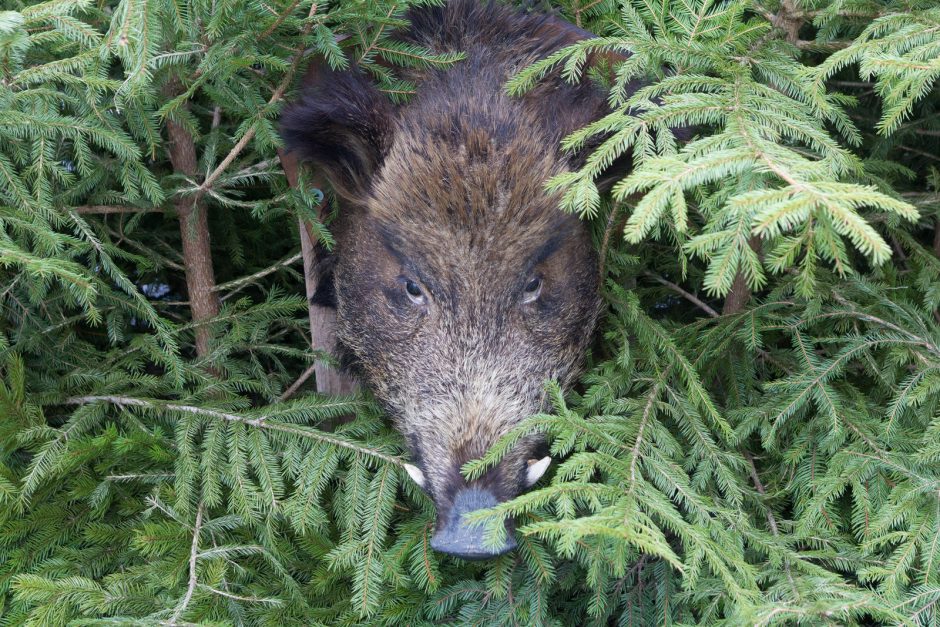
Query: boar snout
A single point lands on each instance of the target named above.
(455, 536)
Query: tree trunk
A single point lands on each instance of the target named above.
(740, 293)
(936, 237)
(738, 297)
(194, 231)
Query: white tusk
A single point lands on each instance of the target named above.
(536, 470)
(415, 473)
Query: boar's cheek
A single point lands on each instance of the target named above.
(372, 301)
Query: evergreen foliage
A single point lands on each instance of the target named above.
(756, 440)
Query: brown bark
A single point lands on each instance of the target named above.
(738, 297)
(936, 237)
(740, 293)
(936, 250)
(194, 231)
(322, 319)
(788, 18)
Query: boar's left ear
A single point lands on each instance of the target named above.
(342, 124)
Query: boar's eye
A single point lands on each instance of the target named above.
(532, 290)
(414, 292)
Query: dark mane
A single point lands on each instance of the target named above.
(504, 33)
(498, 41)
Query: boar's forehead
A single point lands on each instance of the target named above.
(475, 191)
(494, 214)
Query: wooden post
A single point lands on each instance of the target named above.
(322, 319)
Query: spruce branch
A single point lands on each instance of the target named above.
(138, 476)
(367, 50)
(237, 597)
(112, 209)
(771, 519)
(279, 91)
(283, 16)
(290, 391)
(614, 223)
(235, 285)
(261, 422)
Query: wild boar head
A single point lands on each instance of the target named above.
(460, 286)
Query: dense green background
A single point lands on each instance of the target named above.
(757, 440)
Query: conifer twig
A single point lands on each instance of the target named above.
(193, 556)
(280, 19)
(916, 339)
(237, 597)
(296, 384)
(920, 153)
(692, 298)
(109, 209)
(647, 412)
(145, 250)
(250, 133)
(612, 224)
(133, 477)
(771, 519)
(378, 34)
(236, 284)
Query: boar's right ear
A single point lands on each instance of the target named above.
(342, 124)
